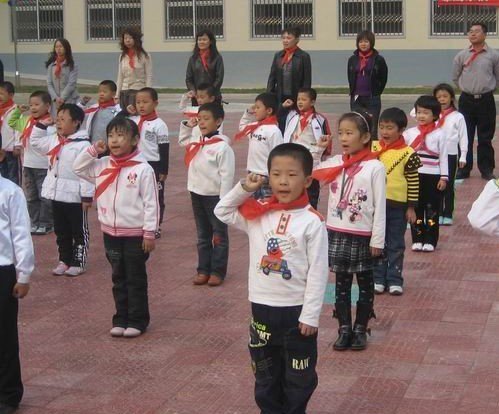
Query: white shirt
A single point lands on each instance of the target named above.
(8, 133)
(456, 134)
(153, 134)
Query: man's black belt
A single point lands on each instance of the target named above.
(477, 95)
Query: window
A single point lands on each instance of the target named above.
(455, 20)
(185, 18)
(270, 17)
(383, 17)
(106, 19)
(39, 20)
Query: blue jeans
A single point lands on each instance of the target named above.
(213, 237)
(389, 272)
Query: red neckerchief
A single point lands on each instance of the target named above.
(143, 118)
(473, 56)
(364, 59)
(59, 60)
(424, 130)
(288, 55)
(204, 55)
(444, 115)
(102, 105)
(112, 172)
(327, 175)
(305, 118)
(54, 152)
(193, 148)
(248, 129)
(399, 143)
(252, 208)
(29, 128)
(131, 58)
(4, 108)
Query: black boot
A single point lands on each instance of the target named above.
(343, 313)
(360, 329)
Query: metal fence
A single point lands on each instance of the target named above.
(106, 19)
(270, 17)
(383, 17)
(185, 18)
(455, 20)
(39, 20)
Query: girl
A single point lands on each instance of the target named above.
(456, 135)
(356, 224)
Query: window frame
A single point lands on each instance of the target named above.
(38, 39)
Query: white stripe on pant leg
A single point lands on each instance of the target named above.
(86, 240)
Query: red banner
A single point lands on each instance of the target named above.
(489, 3)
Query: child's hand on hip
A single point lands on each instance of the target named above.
(442, 184)
(148, 245)
(253, 182)
(307, 330)
(100, 146)
(20, 290)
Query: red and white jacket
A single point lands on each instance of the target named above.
(129, 207)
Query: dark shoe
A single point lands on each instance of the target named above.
(200, 279)
(343, 312)
(488, 176)
(7, 409)
(359, 341)
(462, 174)
(215, 280)
(344, 340)
(157, 234)
(42, 231)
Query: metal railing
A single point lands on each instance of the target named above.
(39, 20)
(185, 18)
(383, 17)
(106, 19)
(270, 17)
(455, 20)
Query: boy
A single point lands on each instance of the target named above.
(211, 164)
(10, 167)
(128, 209)
(16, 257)
(402, 189)
(71, 197)
(154, 143)
(35, 165)
(309, 128)
(288, 273)
(259, 124)
(429, 142)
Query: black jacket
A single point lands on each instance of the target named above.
(302, 74)
(379, 73)
(196, 74)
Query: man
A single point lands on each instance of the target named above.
(476, 73)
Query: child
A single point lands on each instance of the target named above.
(10, 166)
(128, 209)
(453, 126)
(264, 134)
(356, 225)
(309, 128)
(154, 143)
(402, 189)
(211, 164)
(71, 197)
(287, 277)
(429, 142)
(17, 262)
(35, 164)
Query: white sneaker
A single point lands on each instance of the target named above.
(132, 333)
(74, 271)
(427, 247)
(117, 331)
(417, 247)
(396, 290)
(60, 269)
(379, 288)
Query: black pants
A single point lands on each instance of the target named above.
(128, 264)
(480, 116)
(11, 386)
(365, 280)
(371, 105)
(71, 231)
(212, 235)
(449, 193)
(10, 167)
(314, 192)
(161, 190)
(426, 228)
(283, 360)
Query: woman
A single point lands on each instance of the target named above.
(291, 70)
(62, 75)
(134, 67)
(367, 76)
(205, 65)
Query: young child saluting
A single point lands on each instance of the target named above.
(128, 211)
(287, 277)
(305, 126)
(259, 124)
(356, 225)
(429, 142)
(402, 190)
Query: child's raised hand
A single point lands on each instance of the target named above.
(288, 103)
(100, 146)
(324, 141)
(23, 107)
(86, 99)
(253, 182)
(307, 330)
(251, 109)
(192, 122)
(442, 184)
(191, 94)
(20, 290)
(131, 109)
(148, 245)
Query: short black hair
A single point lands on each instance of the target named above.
(209, 89)
(394, 115)
(8, 86)
(481, 24)
(110, 84)
(296, 151)
(447, 88)
(366, 35)
(124, 125)
(75, 112)
(293, 31)
(269, 100)
(214, 108)
(43, 95)
(429, 102)
(151, 91)
(311, 92)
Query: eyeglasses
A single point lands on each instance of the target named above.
(475, 31)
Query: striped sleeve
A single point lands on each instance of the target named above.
(412, 178)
